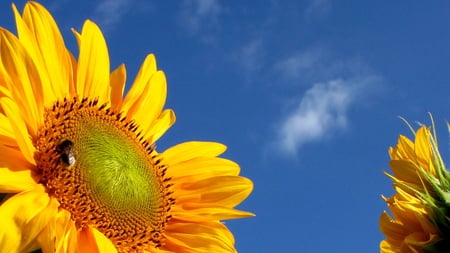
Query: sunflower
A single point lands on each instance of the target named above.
(79, 170)
(420, 208)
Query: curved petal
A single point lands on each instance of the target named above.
(148, 106)
(65, 233)
(7, 140)
(191, 212)
(24, 216)
(392, 228)
(225, 191)
(16, 181)
(407, 171)
(13, 159)
(203, 167)
(5, 127)
(165, 120)
(199, 237)
(22, 79)
(93, 64)
(117, 81)
(403, 150)
(148, 68)
(422, 148)
(103, 243)
(86, 241)
(189, 150)
(40, 35)
(19, 127)
(386, 247)
(4, 91)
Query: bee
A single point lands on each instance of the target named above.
(67, 156)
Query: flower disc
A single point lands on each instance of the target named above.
(93, 161)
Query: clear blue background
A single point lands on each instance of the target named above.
(305, 94)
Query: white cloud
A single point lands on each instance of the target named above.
(109, 12)
(322, 111)
(336, 86)
(196, 14)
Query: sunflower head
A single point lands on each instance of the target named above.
(79, 154)
(419, 220)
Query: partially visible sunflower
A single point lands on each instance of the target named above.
(420, 208)
(78, 162)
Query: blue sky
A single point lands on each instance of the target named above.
(305, 94)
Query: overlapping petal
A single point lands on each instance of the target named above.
(22, 80)
(40, 35)
(200, 237)
(416, 208)
(24, 216)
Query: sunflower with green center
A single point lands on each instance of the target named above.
(420, 208)
(79, 171)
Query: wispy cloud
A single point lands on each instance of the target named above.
(322, 111)
(197, 14)
(109, 12)
(335, 87)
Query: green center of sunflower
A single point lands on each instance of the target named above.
(114, 167)
(95, 163)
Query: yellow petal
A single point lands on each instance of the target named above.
(20, 129)
(7, 140)
(72, 88)
(192, 212)
(23, 217)
(203, 167)
(93, 64)
(386, 247)
(404, 149)
(103, 243)
(13, 159)
(17, 181)
(22, 79)
(391, 228)
(189, 150)
(147, 108)
(117, 82)
(422, 147)
(6, 129)
(154, 131)
(39, 33)
(407, 171)
(147, 69)
(225, 191)
(4, 91)
(86, 241)
(199, 237)
(65, 233)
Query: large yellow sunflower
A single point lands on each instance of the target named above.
(77, 158)
(420, 208)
